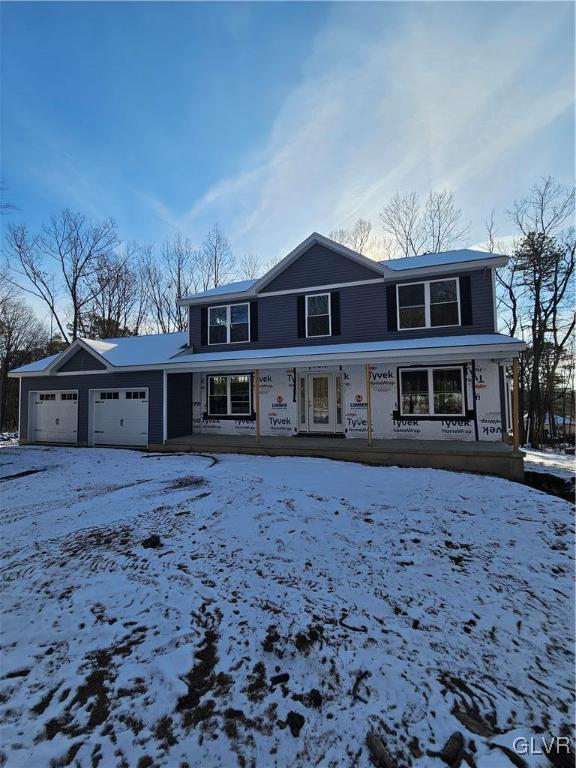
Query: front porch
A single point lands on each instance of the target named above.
(490, 458)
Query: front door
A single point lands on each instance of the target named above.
(323, 394)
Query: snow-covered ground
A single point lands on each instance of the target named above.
(551, 462)
(410, 602)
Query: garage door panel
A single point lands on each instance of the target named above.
(55, 417)
(120, 417)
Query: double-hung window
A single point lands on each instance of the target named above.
(432, 392)
(318, 316)
(428, 304)
(229, 395)
(229, 324)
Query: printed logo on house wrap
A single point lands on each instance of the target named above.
(383, 381)
(357, 403)
(406, 427)
(279, 403)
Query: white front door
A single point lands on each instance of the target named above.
(120, 416)
(323, 393)
(54, 417)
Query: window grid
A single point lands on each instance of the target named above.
(225, 388)
(430, 393)
(228, 325)
(427, 304)
(318, 315)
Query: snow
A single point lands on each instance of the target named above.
(238, 287)
(398, 600)
(550, 462)
(461, 256)
(166, 349)
(367, 347)
(38, 365)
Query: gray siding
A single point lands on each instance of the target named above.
(179, 404)
(86, 382)
(318, 266)
(82, 360)
(363, 317)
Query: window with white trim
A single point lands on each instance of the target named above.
(229, 395)
(69, 396)
(318, 319)
(432, 391)
(428, 304)
(229, 324)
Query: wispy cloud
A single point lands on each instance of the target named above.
(441, 103)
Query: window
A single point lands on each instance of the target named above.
(318, 322)
(229, 324)
(430, 304)
(431, 392)
(49, 396)
(135, 395)
(69, 396)
(229, 395)
(109, 395)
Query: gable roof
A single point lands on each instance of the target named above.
(305, 245)
(130, 350)
(465, 258)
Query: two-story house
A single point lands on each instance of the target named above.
(328, 343)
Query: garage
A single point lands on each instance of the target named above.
(119, 416)
(54, 416)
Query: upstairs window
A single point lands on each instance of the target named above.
(431, 392)
(429, 304)
(229, 395)
(318, 319)
(229, 324)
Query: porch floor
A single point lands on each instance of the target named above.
(491, 458)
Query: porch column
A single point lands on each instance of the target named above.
(369, 403)
(257, 402)
(164, 406)
(515, 405)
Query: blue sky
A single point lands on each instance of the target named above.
(277, 119)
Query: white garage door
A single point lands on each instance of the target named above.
(119, 416)
(54, 417)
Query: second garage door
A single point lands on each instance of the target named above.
(119, 417)
(54, 417)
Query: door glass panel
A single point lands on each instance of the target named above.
(338, 400)
(320, 412)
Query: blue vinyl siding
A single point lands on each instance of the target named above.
(82, 360)
(363, 317)
(84, 383)
(320, 266)
(179, 404)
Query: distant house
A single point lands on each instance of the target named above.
(326, 343)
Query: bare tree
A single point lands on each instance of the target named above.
(361, 238)
(537, 291)
(415, 229)
(216, 259)
(61, 262)
(175, 273)
(119, 303)
(248, 267)
(22, 337)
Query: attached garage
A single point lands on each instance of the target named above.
(119, 416)
(54, 416)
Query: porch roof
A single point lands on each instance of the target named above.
(164, 352)
(493, 345)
